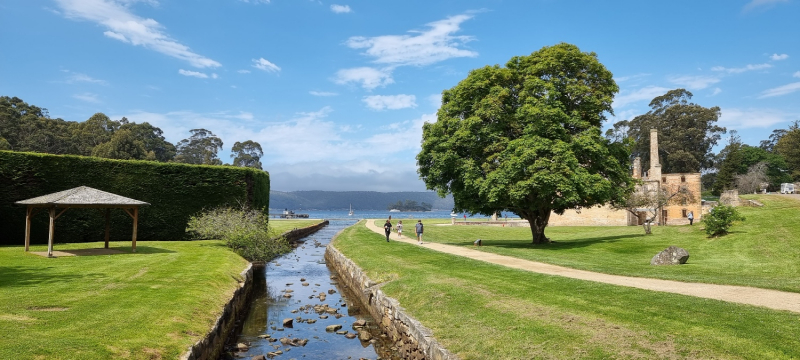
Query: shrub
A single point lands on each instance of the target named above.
(246, 232)
(720, 219)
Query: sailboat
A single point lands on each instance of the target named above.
(351, 210)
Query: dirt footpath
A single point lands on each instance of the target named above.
(773, 299)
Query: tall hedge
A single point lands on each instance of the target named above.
(174, 191)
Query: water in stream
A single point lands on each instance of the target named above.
(290, 287)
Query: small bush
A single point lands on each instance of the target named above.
(247, 232)
(720, 219)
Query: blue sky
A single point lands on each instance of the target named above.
(336, 92)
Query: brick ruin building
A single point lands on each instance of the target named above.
(675, 213)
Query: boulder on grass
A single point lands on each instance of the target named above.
(672, 255)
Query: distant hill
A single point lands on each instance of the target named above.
(361, 200)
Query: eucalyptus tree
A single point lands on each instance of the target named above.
(686, 133)
(247, 154)
(526, 138)
(200, 148)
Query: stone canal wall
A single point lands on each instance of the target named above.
(296, 234)
(212, 345)
(412, 340)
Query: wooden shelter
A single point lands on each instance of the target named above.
(79, 197)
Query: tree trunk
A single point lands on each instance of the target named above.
(538, 219)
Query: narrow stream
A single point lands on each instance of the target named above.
(299, 286)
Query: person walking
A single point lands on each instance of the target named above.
(400, 229)
(691, 217)
(418, 229)
(387, 228)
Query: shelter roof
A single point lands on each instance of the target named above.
(82, 196)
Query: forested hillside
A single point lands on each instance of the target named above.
(362, 200)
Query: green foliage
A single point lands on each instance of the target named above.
(789, 147)
(175, 192)
(686, 133)
(247, 154)
(200, 149)
(720, 219)
(410, 205)
(729, 165)
(526, 138)
(29, 128)
(245, 231)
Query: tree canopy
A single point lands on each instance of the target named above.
(201, 148)
(526, 138)
(247, 154)
(686, 133)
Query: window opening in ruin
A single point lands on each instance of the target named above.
(683, 178)
(684, 213)
(664, 180)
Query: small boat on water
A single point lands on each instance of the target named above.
(452, 214)
(394, 210)
(351, 210)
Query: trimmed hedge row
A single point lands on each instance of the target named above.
(174, 191)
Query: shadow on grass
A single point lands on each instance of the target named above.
(556, 245)
(38, 276)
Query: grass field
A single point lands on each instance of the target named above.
(763, 251)
(483, 311)
(149, 305)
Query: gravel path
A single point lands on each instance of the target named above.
(773, 299)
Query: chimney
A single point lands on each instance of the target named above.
(655, 166)
(637, 168)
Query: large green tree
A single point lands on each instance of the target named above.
(200, 148)
(28, 127)
(247, 154)
(788, 146)
(686, 133)
(526, 138)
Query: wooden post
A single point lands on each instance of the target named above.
(135, 225)
(52, 232)
(28, 228)
(108, 225)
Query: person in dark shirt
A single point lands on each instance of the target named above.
(387, 228)
(418, 229)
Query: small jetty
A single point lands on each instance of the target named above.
(288, 214)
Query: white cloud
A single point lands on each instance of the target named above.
(390, 102)
(734, 118)
(255, 1)
(79, 77)
(631, 77)
(716, 91)
(125, 26)
(753, 4)
(340, 9)
(435, 100)
(369, 78)
(748, 67)
(797, 74)
(322, 93)
(243, 71)
(196, 74)
(334, 157)
(426, 47)
(777, 57)
(645, 93)
(694, 82)
(214, 75)
(88, 97)
(780, 90)
(265, 65)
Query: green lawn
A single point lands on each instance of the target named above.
(282, 226)
(483, 311)
(149, 305)
(763, 251)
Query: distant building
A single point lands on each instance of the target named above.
(675, 213)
